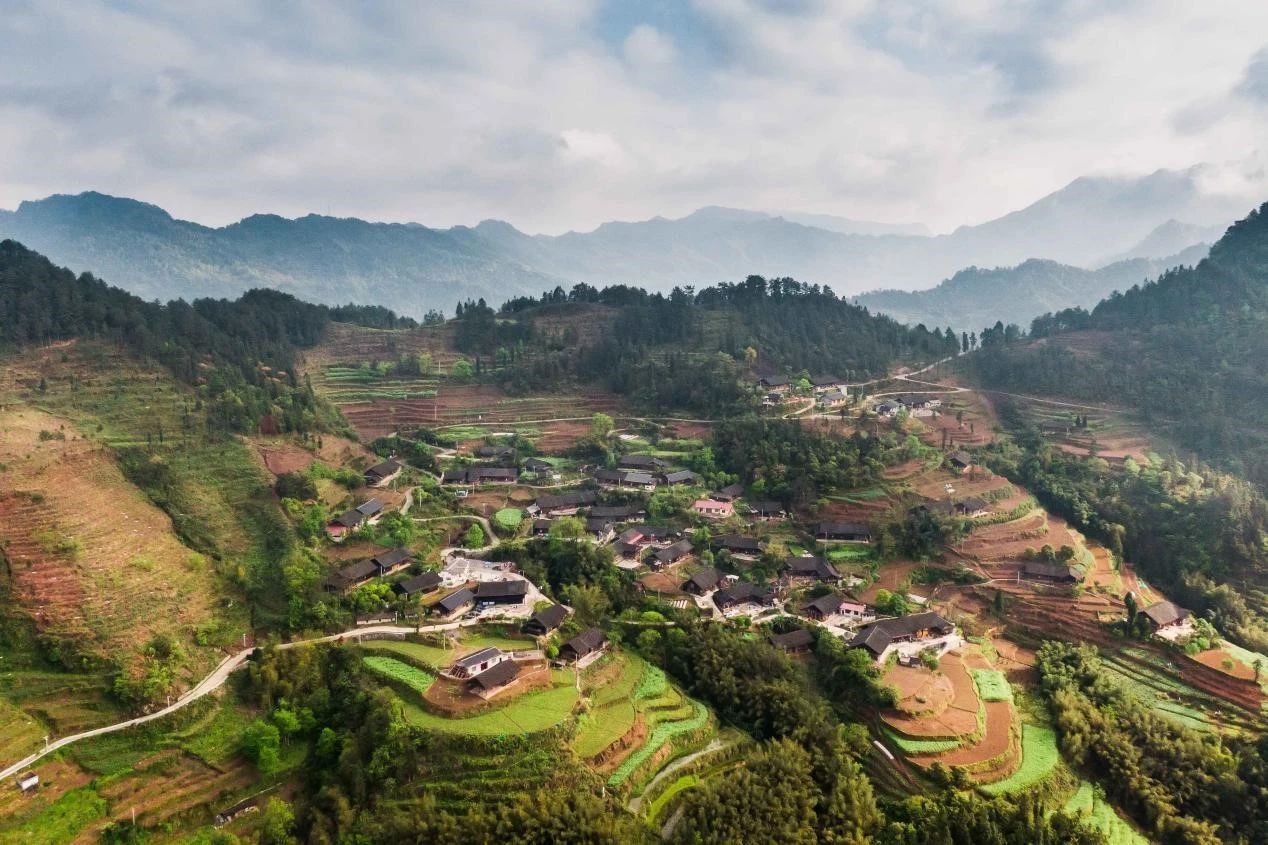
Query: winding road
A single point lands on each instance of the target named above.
(216, 680)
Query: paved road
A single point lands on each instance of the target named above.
(216, 679)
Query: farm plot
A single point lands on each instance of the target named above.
(1039, 756)
(19, 732)
(1090, 805)
(527, 714)
(953, 717)
(612, 715)
(403, 673)
(110, 577)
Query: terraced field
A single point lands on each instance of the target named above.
(1099, 814)
(529, 713)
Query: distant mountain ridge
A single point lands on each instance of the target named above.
(976, 297)
(413, 268)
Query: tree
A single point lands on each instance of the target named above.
(260, 743)
(462, 370)
(601, 425)
(568, 528)
(589, 603)
(277, 823)
(474, 538)
(1130, 601)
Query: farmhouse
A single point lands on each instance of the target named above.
(478, 661)
(636, 537)
(672, 553)
(960, 460)
(501, 592)
(854, 532)
(616, 513)
(539, 466)
(835, 605)
(546, 620)
(365, 513)
(417, 585)
(823, 382)
(713, 509)
(351, 576)
(766, 510)
(584, 644)
(775, 384)
(684, 476)
(920, 402)
(566, 504)
(496, 453)
(887, 409)
(384, 473)
(625, 478)
(831, 399)
(738, 544)
(703, 582)
(599, 528)
(647, 463)
(729, 493)
(879, 636)
(456, 602)
(1166, 615)
(795, 641)
(495, 677)
(541, 526)
(28, 782)
(973, 506)
(1056, 573)
(480, 475)
(810, 568)
(742, 593)
(378, 617)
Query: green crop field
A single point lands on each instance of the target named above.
(920, 746)
(663, 733)
(508, 518)
(413, 677)
(59, 822)
(1099, 815)
(992, 685)
(1039, 757)
(424, 654)
(536, 711)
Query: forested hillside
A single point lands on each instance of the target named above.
(240, 354)
(1186, 350)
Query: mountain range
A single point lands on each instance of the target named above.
(413, 268)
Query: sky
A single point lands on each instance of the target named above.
(560, 115)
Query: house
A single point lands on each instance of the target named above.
(973, 506)
(729, 493)
(831, 399)
(616, 513)
(771, 400)
(713, 509)
(775, 384)
(541, 526)
(887, 409)
(937, 507)
(636, 537)
(853, 532)
(566, 504)
(960, 460)
(742, 593)
(703, 582)
(920, 402)
(625, 478)
(427, 582)
(480, 475)
(795, 641)
(378, 617)
(501, 592)
(879, 636)
(824, 382)
(478, 661)
(28, 782)
(766, 510)
(546, 620)
(684, 476)
(584, 644)
(1165, 614)
(496, 453)
(647, 463)
(348, 521)
(456, 602)
(599, 528)
(810, 568)
(495, 677)
(539, 466)
(355, 574)
(384, 473)
(1056, 573)
(672, 553)
(738, 544)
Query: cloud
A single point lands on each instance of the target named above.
(561, 114)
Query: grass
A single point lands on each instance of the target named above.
(839, 553)
(424, 654)
(393, 669)
(992, 685)
(508, 518)
(920, 746)
(677, 787)
(613, 713)
(20, 733)
(1039, 757)
(1097, 814)
(214, 739)
(59, 822)
(530, 713)
(465, 432)
(663, 733)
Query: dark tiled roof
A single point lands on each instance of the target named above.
(877, 636)
(615, 511)
(742, 592)
(796, 638)
(571, 499)
(501, 590)
(704, 580)
(826, 604)
(641, 462)
(842, 529)
(453, 601)
(550, 618)
(355, 573)
(738, 543)
(1058, 571)
(681, 477)
(387, 560)
(731, 491)
(586, 642)
(674, 551)
(475, 658)
(961, 458)
(423, 583)
(497, 675)
(810, 567)
(383, 470)
(370, 508)
(1165, 613)
(767, 508)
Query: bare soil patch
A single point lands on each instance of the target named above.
(1216, 658)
